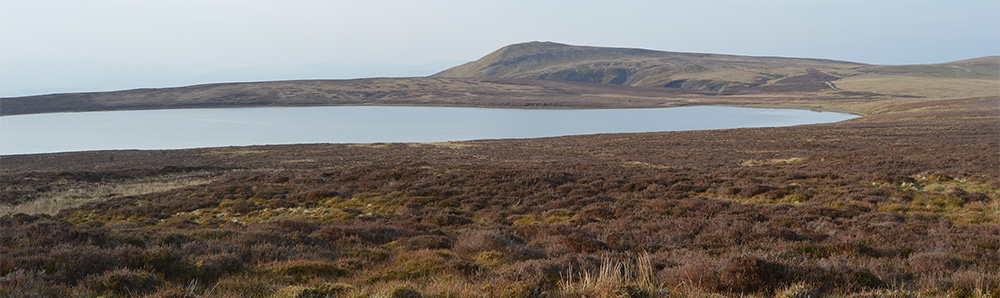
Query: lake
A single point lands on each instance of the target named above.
(192, 128)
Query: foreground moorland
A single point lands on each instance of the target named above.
(904, 202)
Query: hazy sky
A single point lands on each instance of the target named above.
(206, 35)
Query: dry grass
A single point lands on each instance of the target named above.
(449, 145)
(74, 195)
(236, 152)
(635, 67)
(615, 278)
(772, 162)
(645, 164)
(507, 218)
(920, 86)
(378, 91)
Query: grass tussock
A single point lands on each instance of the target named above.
(625, 278)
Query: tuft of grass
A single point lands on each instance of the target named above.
(799, 290)
(413, 265)
(884, 293)
(550, 217)
(304, 270)
(613, 278)
(321, 290)
(243, 285)
(369, 204)
(492, 258)
(123, 282)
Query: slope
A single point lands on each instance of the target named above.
(959, 79)
(723, 74)
(734, 75)
(978, 68)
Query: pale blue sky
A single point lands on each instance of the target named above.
(209, 35)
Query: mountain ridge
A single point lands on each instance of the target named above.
(720, 73)
(553, 75)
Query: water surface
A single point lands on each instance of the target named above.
(192, 128)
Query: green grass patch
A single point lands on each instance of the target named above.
(549, 217)
(254, 210)
(414, 265)
(955, 71)
(303, 270)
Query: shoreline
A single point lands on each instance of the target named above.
(511, 94)
(373, 110)
(665, 106)
(820, 110)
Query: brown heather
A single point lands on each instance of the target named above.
(901, 203)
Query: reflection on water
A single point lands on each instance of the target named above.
(191, 128)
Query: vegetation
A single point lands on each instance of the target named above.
(979, 68)
(630, 78)
(904, 202)
(717, 74)
(851, 209)
(379, 91)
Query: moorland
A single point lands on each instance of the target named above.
(902, 202)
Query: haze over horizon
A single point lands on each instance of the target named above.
(99, 45)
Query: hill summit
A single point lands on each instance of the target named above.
(722, 74)
(725, 74)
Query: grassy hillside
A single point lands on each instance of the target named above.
(966, 78)
(732, 75)
(917, 86)
(468, 92)
(378, 91)
(543, 74)
(978, 68)
(725, 74)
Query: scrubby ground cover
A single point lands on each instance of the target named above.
(902, 203)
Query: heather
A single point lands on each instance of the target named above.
(904, 203)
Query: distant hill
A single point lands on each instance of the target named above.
(373, 91)
(978, 68)
(553, 75)
(721, 74)
(27, 77)
(725, 74)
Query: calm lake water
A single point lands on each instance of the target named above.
(191, 128)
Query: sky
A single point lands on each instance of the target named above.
(41, 39)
